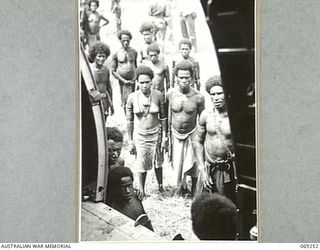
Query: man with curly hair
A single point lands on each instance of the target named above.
(90, 22)
(214, 217)
(98, 53)
(145, 114)
(215, 149)
(185, 106)
(124, 63)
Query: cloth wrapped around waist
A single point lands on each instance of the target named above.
(146, 143)
(184, 160)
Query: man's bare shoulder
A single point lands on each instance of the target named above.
(203, 117)
(131, 96)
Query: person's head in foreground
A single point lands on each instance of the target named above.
(214, 217)
(120, 184)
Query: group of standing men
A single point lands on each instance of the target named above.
(166, 114)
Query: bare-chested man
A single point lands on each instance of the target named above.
(147, 31)
(124, 63)
(161, 80)
(215, 145)
(185, 105)
(145, 113)
(90, 22)
(185, 47)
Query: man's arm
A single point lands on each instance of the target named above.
(197, 74)
(104, 19)
(200, 138)
(108, 85)
(200, 104)
(173, 73)
(163, 120)
(130, 124)
(167, 77)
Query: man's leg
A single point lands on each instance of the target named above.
(159, 173)
(142, 181)
(190, 21)
(194, 181)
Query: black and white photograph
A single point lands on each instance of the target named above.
(168, 120)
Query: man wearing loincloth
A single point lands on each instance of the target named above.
(185, 105)
(145, 113)
(215, 149)
(124, 63)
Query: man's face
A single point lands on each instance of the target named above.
(93, 6)
(100, 59)
(145, 83)
(126, 187)
(125, 41)
(217, 96)
(147, 36)
(114, 151)
(185, 50)
(184, 80)
(154, 56)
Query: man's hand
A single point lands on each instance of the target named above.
(132, 148)
(140, 194)
(207, 182)
(111, 110)
(165, 142)
(128, 82)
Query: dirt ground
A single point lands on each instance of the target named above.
(169, 214)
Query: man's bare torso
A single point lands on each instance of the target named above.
(184, 109)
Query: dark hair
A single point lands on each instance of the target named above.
(153, 47)
(185, 41)
(146, 26)
(213, 217)
(96, 48)
(213, 81)
(114, 180)
(144, 70)
(96, 1)
(115, 134)
(184, 65)
(124, 32)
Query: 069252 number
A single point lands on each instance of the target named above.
(309, 245)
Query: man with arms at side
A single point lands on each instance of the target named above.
(124, 63)
(185, 105)
(214, 144)
(161, 80)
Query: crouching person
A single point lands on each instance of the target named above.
(123, 198)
